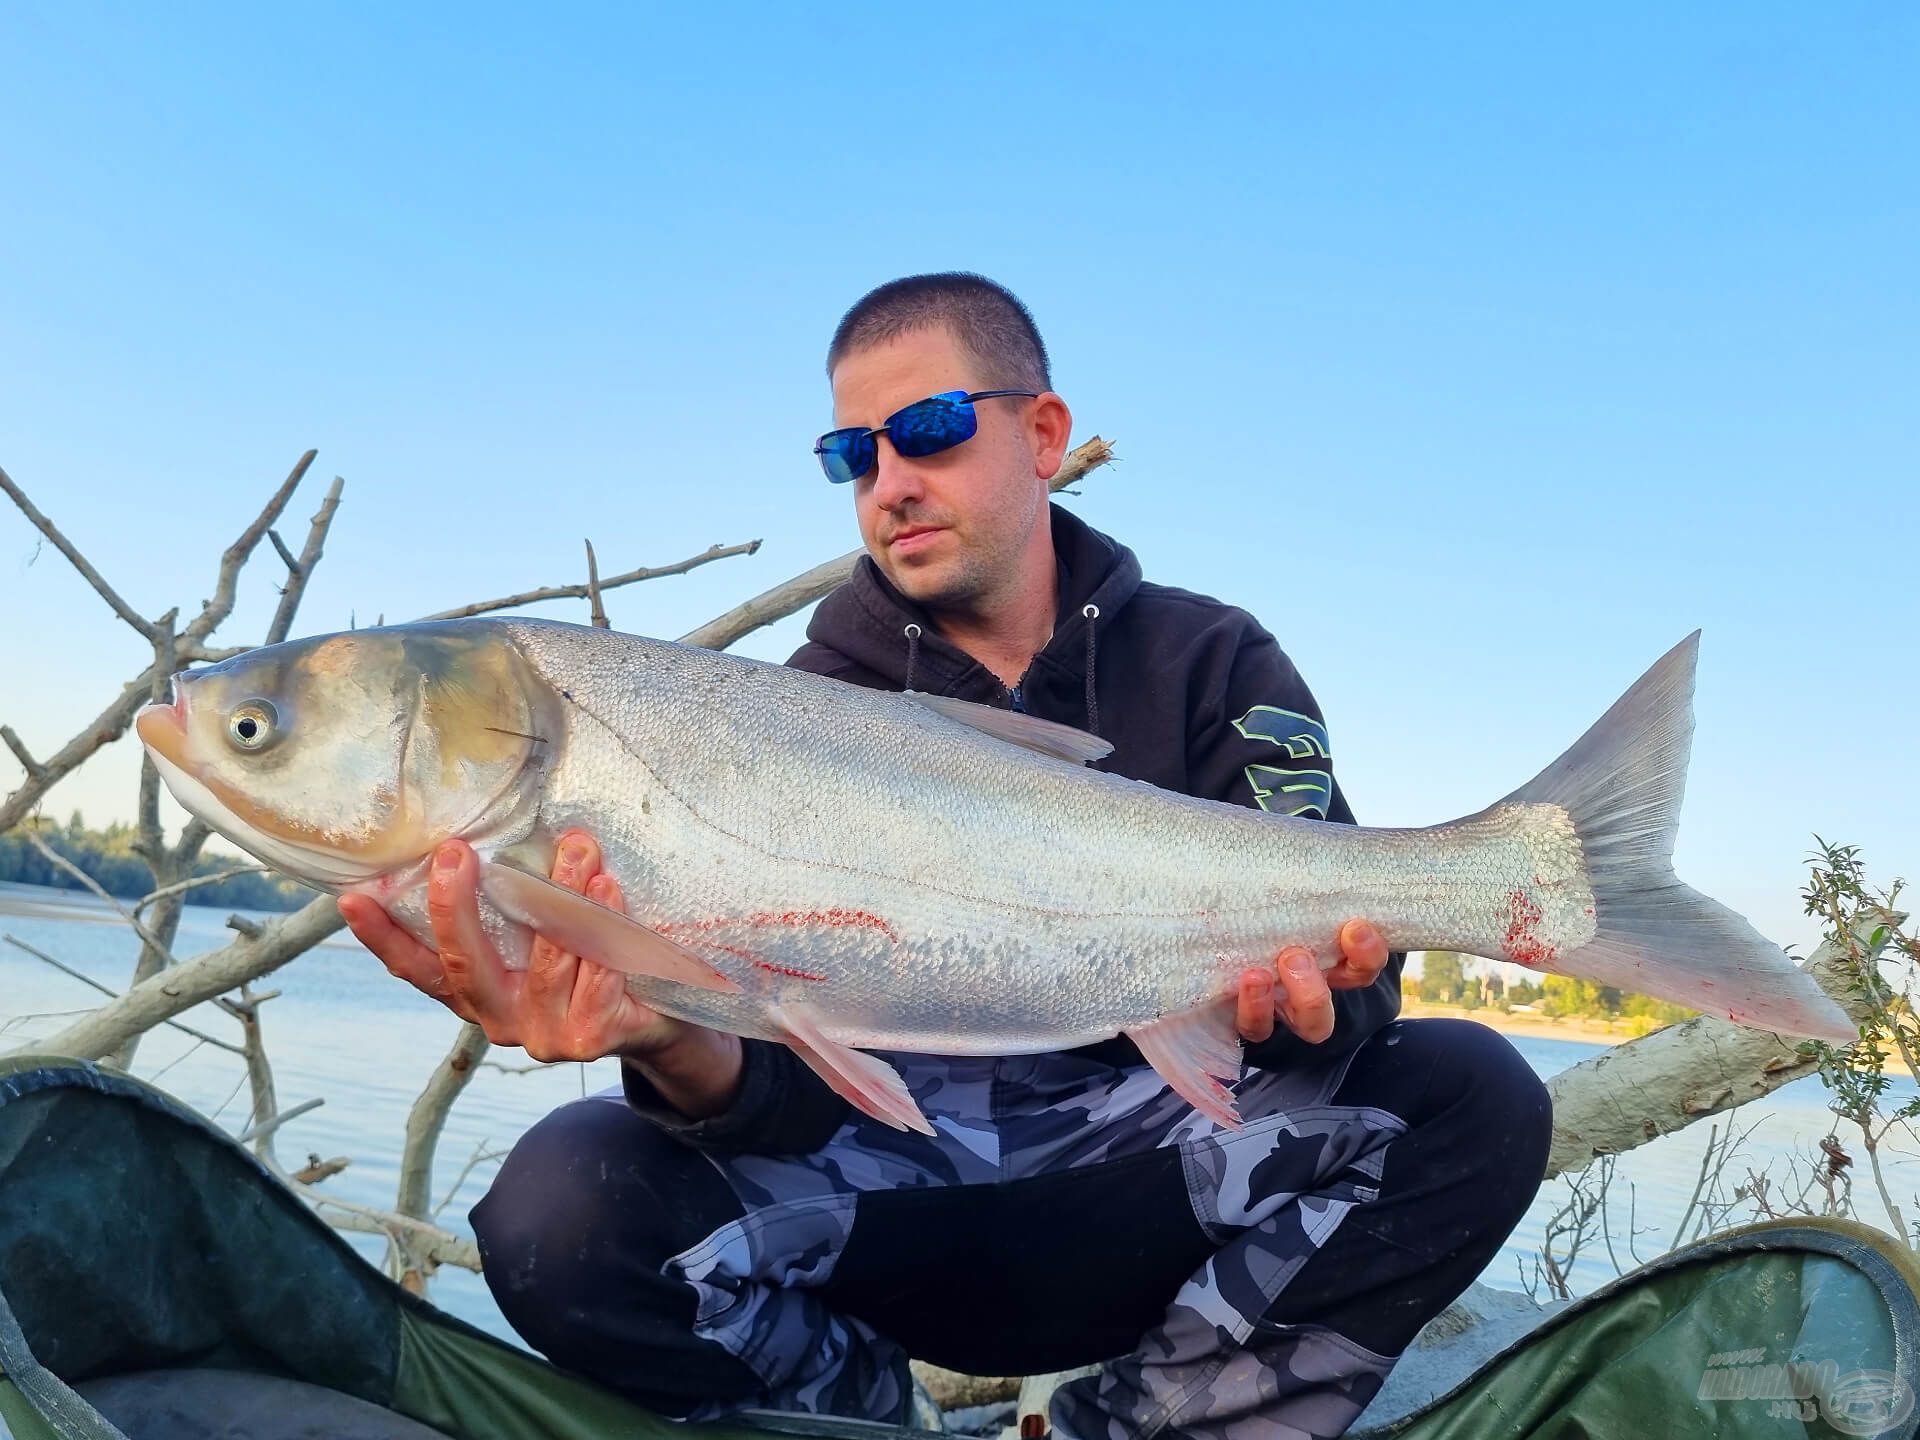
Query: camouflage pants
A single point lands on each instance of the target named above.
(1257, 1283)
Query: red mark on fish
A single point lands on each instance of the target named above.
(838, 919)
(1524, 946)
(760, 964)
(858, 919)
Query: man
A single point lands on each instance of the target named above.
(729, 1233)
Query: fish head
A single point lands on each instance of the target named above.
(346, 757)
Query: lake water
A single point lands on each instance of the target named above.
(346, 1031)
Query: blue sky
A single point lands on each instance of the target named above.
(1481, 357)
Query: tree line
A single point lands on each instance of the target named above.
(109, 859)
(1445, 979)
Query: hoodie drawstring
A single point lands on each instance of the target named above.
(912, 632)
(1092, 612)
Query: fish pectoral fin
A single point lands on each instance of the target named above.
(864, 1081)
(1197, 1052)
(594, 932)
(1048, 737)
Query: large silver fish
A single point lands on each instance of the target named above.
(841, 869)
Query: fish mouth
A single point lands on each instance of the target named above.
(162, 728)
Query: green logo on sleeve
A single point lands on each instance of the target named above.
(1283, 791)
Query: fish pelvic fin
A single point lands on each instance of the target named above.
(594, 932)
(1197, 1052)
(864, 1081)
(1621, 785)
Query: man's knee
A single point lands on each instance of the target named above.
(1468, 1080)
(1494, 1097)
(591, 1195)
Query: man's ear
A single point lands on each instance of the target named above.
(1050, 427)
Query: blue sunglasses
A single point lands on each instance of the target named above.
(925, 427)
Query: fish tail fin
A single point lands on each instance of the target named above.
(1621, 783)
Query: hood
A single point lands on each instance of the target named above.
(877, 628)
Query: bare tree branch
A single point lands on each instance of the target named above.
(316, 1169)
(429, 1116)
(481, 1156)
(260, 1132)
(167, 865)
(226, 583)
(301, 570)
(200, 979)
(196, 882)
(80, 562)
(54, 857)
(597, 611)
(775, 604)
(267, 1116)
(810, 585)
(576, 592)
(427, 1242)
(32, 766)
(112, 994)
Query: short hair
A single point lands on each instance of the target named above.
(988, 320)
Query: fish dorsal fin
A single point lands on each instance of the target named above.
(1047, 737)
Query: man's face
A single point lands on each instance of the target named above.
(948, 530)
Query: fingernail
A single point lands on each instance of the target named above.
(1259, 983)
(447, 857)
(1362, 933)
(573, 854)
(1299, 964)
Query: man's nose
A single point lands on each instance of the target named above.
(895, 481)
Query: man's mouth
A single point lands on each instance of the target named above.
(914, 537)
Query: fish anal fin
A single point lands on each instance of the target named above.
(594, 932)
(1197, 1052)
(864, 1081)
(1048, 737)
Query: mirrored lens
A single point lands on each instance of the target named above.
(932, 425)
(845, 455)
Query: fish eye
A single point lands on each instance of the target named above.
(254, 725)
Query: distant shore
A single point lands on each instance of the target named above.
(1588, 1030)
(1539, 1027)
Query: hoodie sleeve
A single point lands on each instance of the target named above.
(1262, 743)
(783, 1108)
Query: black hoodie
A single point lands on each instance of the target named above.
(1193, 695)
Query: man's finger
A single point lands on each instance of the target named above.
(598, 991)
(550, 969)
(1253, 1014)
(405, 957)
(474, 972)
(1308, 1006)
(1363, 955)
(394, 947)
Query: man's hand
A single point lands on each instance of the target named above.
(1306, 999)
(560, 1007)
